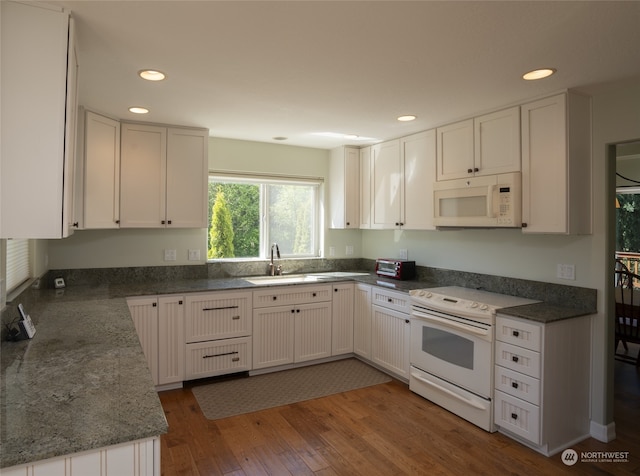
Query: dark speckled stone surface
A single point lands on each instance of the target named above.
(81, 383)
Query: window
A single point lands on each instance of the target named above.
(18, 263)
(247, 215)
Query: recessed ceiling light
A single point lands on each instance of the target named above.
(151, 75)
(139, 110)
(538, 74)
(407, 118)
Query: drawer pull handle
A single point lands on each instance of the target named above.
(514, 384)
(235, 318)
(516, 333)
(219, 308)
(515, 358)
(235, 359)
(514, 416)
(219, 355)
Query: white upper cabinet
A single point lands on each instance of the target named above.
(385, 184)
(344, 188)
(98, 172)
(556, 165)
(35, 172)
(418, 154)
(485, 145)
(365, 188)
(163, 177)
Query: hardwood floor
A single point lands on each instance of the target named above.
(381, 430)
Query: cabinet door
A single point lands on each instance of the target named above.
(497, 142)
(344, 184)
(171, 343)
(362, 321)
(187, 169)
(544, 166)
(144, 312)
(101, 171)
(386, 185)
(419, 173)
(273, 334)
(143, 168)
(34, 40)
(312, 336)
(455, 150)
(390, 340)
(342, 319)
(365, 188)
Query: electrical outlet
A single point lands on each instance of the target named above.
(566, 271)
(403, 254)
(349, 250)
(169, 255)
(194, 255)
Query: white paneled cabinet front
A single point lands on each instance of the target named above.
(144, 312)
(386, 183)
(390, 331)
(39, 120)
(365, 188)
(218, 333)
(171, 344)
(342, 319)
(362, 321)
(556, 165)
(138, 458)
(163, 177)
(291, 324)
(344, 184)
(98, 168)
(542, 379)
(418, 156)
(484, 145)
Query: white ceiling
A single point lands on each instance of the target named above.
(256, 70)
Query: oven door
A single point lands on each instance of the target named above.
(455, 349)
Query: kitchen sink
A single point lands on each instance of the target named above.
(301, 278)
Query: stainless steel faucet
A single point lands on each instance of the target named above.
(273, 269)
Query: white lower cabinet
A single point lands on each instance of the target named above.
(218, 333)
(137, 458)
(390, 331)
(362, 321)
(291, 324)
(170, 340)
(144, 312)
(342, 319)
(542, 379)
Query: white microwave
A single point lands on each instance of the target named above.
(490, 201)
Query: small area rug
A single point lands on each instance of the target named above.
(250, 394)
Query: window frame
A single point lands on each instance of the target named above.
(263, 181)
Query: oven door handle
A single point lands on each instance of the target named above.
(453, 324)
(468, 401)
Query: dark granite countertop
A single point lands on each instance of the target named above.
(83, 383)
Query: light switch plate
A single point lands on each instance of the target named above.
(169, 255)
(194, 255)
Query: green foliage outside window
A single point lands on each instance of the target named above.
(628, 223)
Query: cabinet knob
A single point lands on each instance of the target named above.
(297, 310)
(162, 222)
(118, 222)
(515, 333)
(292, 311)
(275, 297)
(155, 304)
(348, 223)
(469, 171)
(169, 222)
(75, 225)
(514, 416)
(180, 302)
(476, 169)
(314, 294)
(524, 225)
(515, 358)
(514, 384)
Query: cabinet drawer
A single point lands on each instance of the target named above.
(518, 384)
(217, 316)
(282, 296)
(518, 359)
(207, 359)
(391, 299)
(517, 416)
(520, 333)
